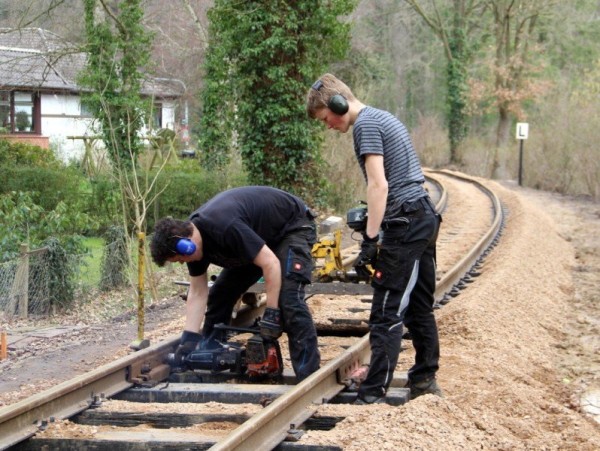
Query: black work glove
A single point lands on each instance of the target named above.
(187, 343)
(270, 324)
(367, 256)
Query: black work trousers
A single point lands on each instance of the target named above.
(403, 293)
(294, 253)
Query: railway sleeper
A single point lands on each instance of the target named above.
(235, 394)
(166, 420)
(167, 430)
(148, 440)
(287, 377)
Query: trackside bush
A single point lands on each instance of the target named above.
(104, 203)
(21, 154)
(115, 259)
(47, 185)
(183, 192)
(64, 259)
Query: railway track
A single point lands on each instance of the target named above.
(127, 404)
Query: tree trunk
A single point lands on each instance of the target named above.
(503, 129)
(457, 81)
(502, 135)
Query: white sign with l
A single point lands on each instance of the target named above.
(522, 130)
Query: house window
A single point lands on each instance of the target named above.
(157, 116)
(85, 110)
(20, 112)
(5, 117)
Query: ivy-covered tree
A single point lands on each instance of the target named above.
(117, 48)
(262, 57)
(217, 97)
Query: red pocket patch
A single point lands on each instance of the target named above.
(378, 275)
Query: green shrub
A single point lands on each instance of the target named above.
(21, 154)
(47, 185)
(64, 258)
(185, 189)
(115, 259)
(23, 221)
(104, 203)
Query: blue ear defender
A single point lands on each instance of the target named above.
(185, 246)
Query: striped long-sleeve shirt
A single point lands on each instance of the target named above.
(379, 132)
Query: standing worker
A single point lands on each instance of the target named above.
(404, 263)
(251, 232)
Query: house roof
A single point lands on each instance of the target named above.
(36, 58)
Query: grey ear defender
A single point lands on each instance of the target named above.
(338, 104)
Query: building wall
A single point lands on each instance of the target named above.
(168, 114)
(64, 125)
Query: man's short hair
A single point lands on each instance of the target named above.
(167, 232)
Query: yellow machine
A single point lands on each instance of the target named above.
(331, 265)
(329, 249)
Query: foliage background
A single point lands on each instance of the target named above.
(395, 62)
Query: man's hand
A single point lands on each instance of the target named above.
(367, 256)
(187, 343)
(270, 324)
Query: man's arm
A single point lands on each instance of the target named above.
(271, 269)
(195, 306)
(377, 191)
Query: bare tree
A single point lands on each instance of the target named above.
(515, 24)
(62, 17)
(453, 24)
(181, 38)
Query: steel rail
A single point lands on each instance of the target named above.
(442, 201)
(460, 269)
(269, 427)
(21, 420)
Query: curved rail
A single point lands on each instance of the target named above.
(461, 269)
(23, 419)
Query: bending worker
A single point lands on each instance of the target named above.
(404, 278)
(250, 232)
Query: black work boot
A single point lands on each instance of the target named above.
(427, 386)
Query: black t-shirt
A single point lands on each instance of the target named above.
(237, 223)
